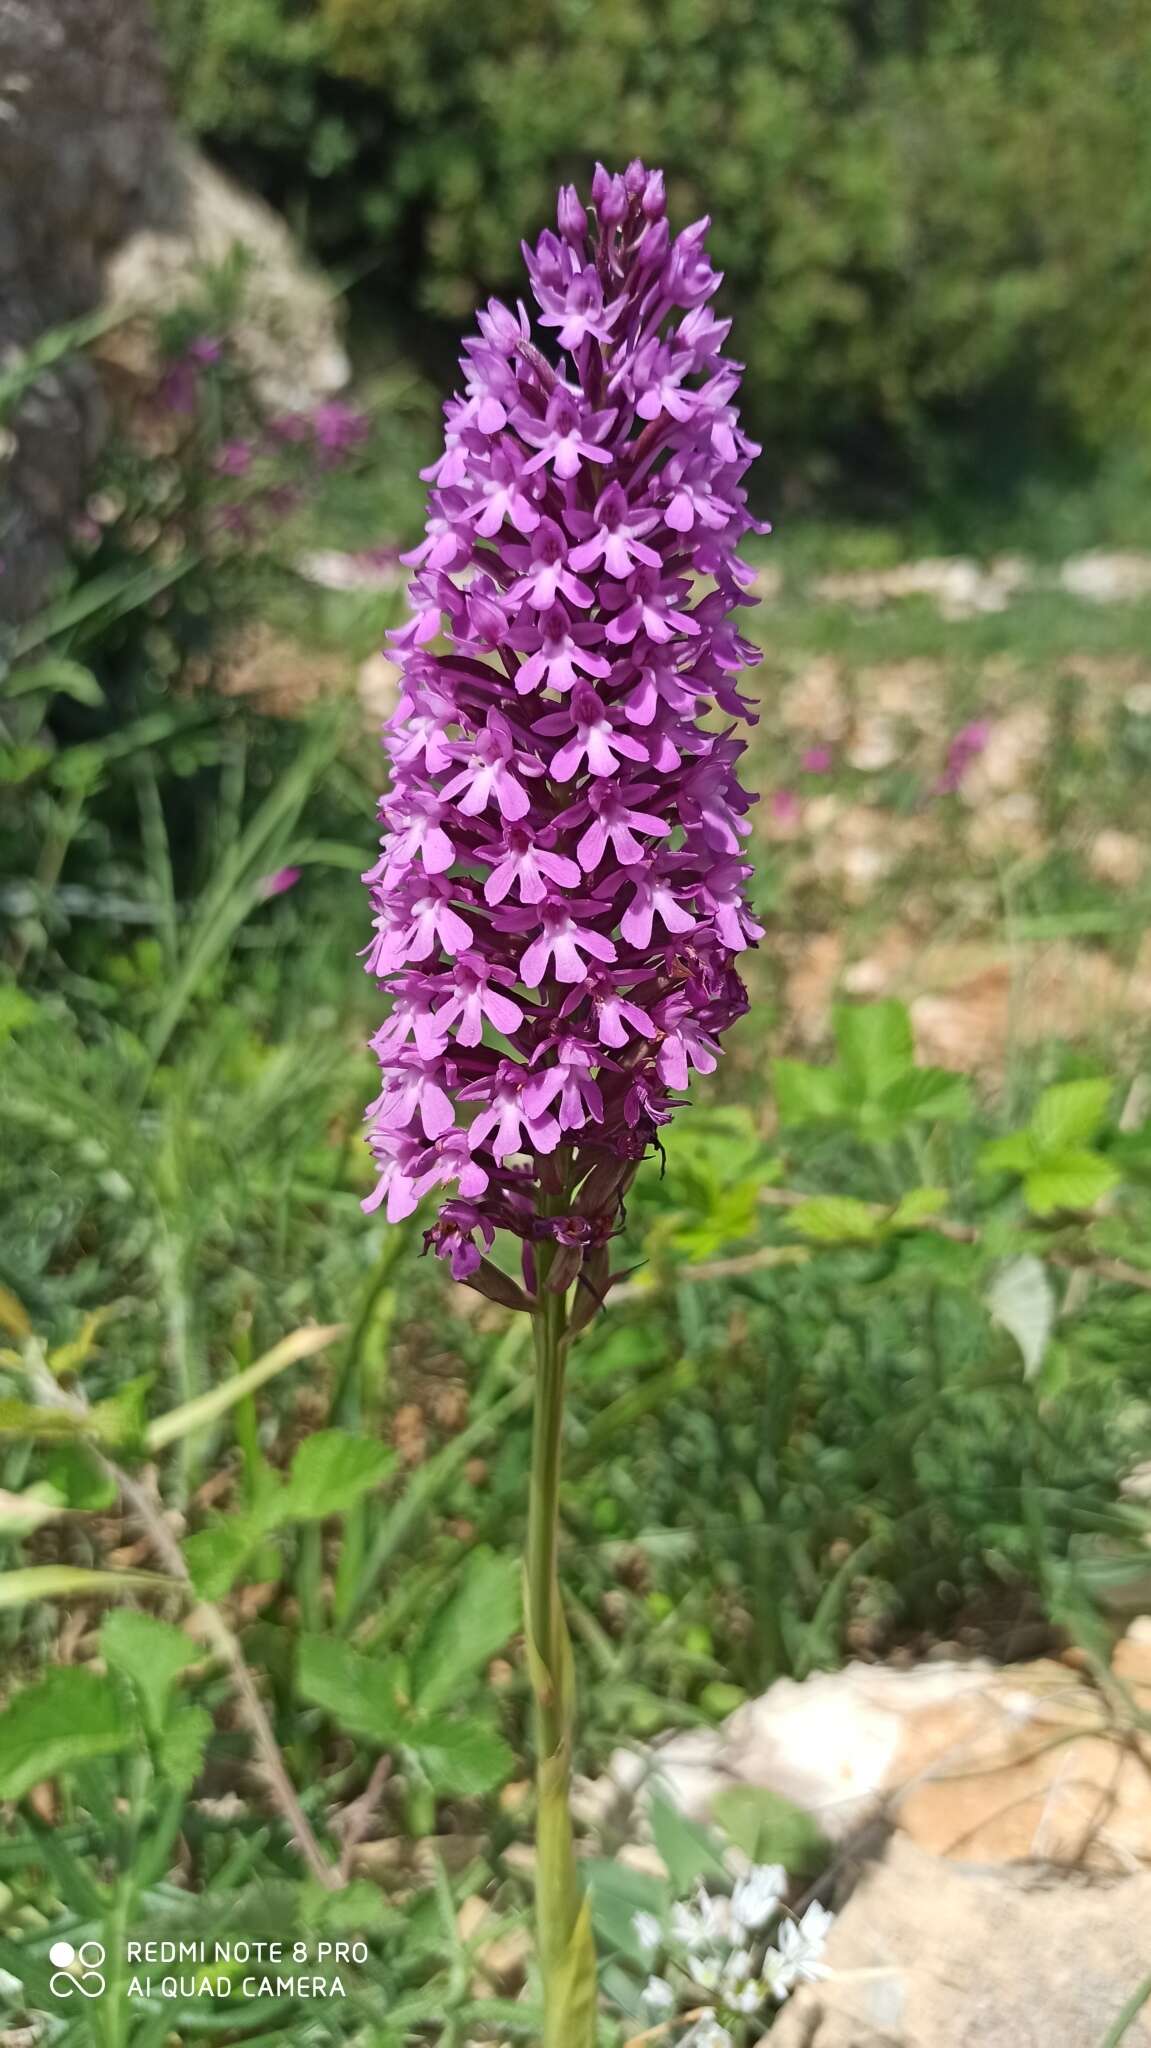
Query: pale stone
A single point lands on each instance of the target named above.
(1120, 577)
(928, 1954)
(286, 331)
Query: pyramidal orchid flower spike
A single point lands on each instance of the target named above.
(559, 900)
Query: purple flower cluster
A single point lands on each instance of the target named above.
(559, 901)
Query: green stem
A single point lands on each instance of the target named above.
(567, 1961)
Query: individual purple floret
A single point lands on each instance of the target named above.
(559, 902)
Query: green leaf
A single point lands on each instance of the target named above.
(461, 1757)
(360, 1693)
(1068, 1116)
(67, 1718)
(571, 2020)
(473, 1627)
(925, 1255)
(216, 1556)
(1022, 1301)
(1014, 1153)
(927, 1095)
(208, 1408)
(617, 1894)
(769, 1829)
(806, 1094)
(56, 1425)
(14, 1317)
(56, 674)
(875, 1046)
(182, 1746)
(72, 1581)
(151, 1654)
(836, 1219)
(916, 1206)
(689, 1850)
(330, 1472)
(1076, 1180)
(75, 1474)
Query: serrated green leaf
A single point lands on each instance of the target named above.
(1067, 1116)
(461, 1757)
(67, 1718)
(1076, 1180)
(216, 1556)
(806, 1094)
(1014, 1153)
(73, 1471)
(330, 1472)
(360, 1693)
(151, 1654)
(875, 1046)
(182, 1745)
(835, 1219)
(927, 1095)
(474, 1626)
(769, 1829)
(1022, 1301)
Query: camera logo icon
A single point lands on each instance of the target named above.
(77, 1969)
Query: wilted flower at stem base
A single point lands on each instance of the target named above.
(560, 895)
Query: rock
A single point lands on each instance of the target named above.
(285, 331)
(86, 157)
(928, 1954)
(1103, 578)
(378, 687)
(960, 587)
(971, 1760)
(1117, 857)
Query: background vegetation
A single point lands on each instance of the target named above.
(932, 213)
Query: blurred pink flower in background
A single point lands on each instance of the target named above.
(966, 747)
(277, 884)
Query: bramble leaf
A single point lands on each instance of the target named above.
(1068, 1116)
(68, 1717)
(330, 1472)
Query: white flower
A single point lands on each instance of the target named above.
(707, 2033)
(648, 1932)
(756, 1897)
(701, 1926)
(799, 1956)
(658, 1995)
(742, 1991)
(706, 1971)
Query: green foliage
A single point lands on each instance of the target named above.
(770, 1829)
(875, 1086)
(401, 1703)
(1058, 1167)
(930, 223)
(66, 1718)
